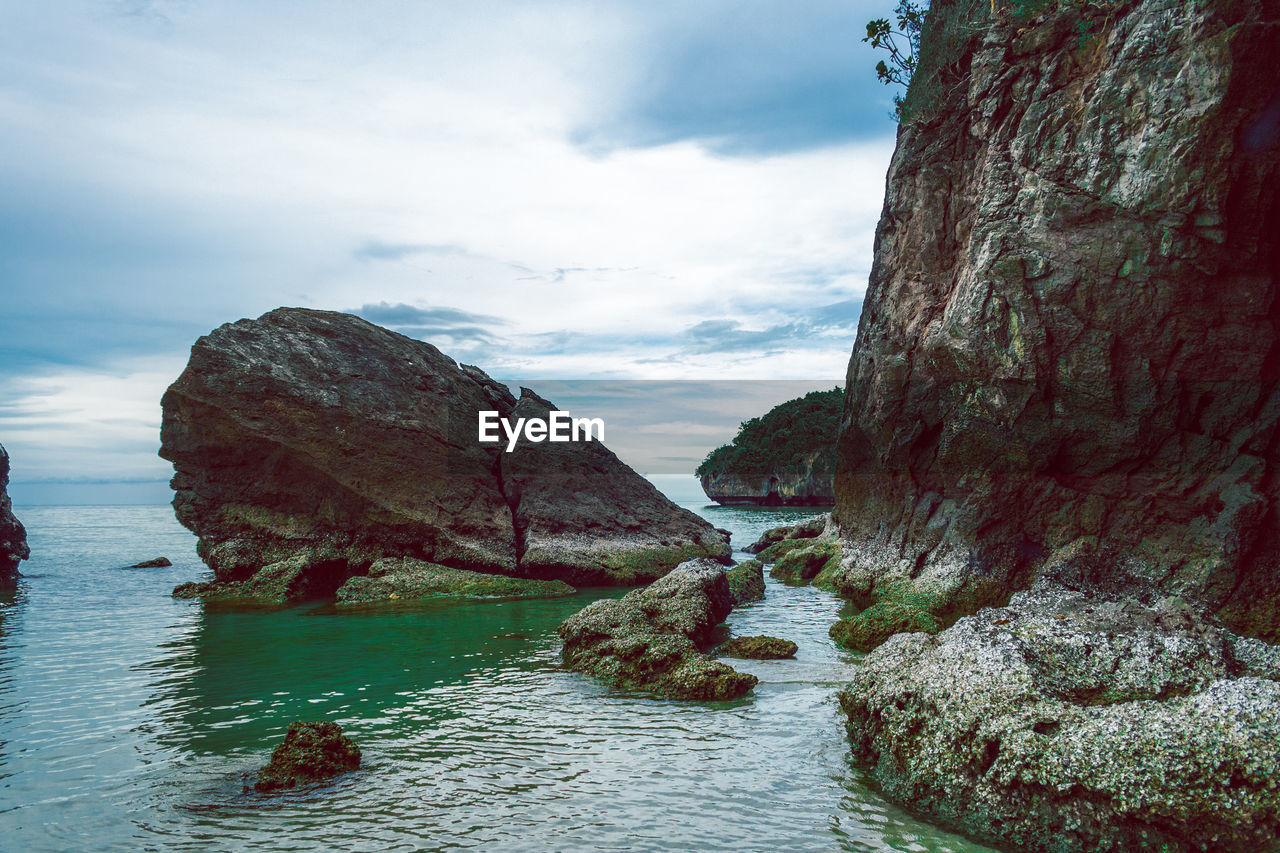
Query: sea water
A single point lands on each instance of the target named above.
(130, 720)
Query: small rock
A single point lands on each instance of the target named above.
(311, 751)
(759, 648)
(157, 563)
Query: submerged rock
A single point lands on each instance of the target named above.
(1069, 336)
(654, 638)
(310, 752)
(156, 563)
(408, 579)
(13, 536)
(1077, 721)
(307, 445)
(759, 648)
(746, 582)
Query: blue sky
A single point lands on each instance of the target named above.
(577, 190)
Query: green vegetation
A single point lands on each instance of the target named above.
(799, 565)
(954, 29)
(781, 441)
(903, 45)
(898, 611)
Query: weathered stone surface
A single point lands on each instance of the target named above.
(584, 516)
(654, 638)
(13, 536)
(310, 752)
(408, 579)
(759, 648)
(806, 529)
(1070, 333)
(810, 486)
(800, 565)
(314, 443)
(746, 582)
(155, 563)
(1071, 721)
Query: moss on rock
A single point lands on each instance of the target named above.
(403, 578)
(802, 564)
(310, 752)
(759, 648)
(746, 581)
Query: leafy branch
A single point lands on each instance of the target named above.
(903, 44)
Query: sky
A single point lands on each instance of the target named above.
(585, 190)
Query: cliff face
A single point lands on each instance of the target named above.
(13, 537)
(309, 444)
(785, 457)
(1068, 355)
(810, 486)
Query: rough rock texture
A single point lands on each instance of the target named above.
(746, 582)
(318, 437)
(584, 516)
(808, 487)
(1070, 333)
(310, 752)
(759, 648)
(806, 529)
(154, 563)
(13, 536)
(405, 578)
(1067, 721)
(654, 638)
(802, 564)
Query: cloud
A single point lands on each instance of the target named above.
(374, 250)
(545, 190)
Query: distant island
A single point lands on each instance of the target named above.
(786, 457)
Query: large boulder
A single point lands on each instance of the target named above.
(1070, 333)
(655, 638)
(1074, 720)
(586, 517)
(313, 444)
(13, 536)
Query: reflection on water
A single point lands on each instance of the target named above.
(130, 720)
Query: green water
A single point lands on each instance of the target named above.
(132, 721)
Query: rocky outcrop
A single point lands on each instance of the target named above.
(654, 638)
(784, 458)
(308, 445)
(809, 486)
(760, 647)
(1069, 340)
(746, 582)
(154, 563)
(311, 752)
(13, 536)
(1066, 375)
(407, 579)
(806, 529)
(1072, 721)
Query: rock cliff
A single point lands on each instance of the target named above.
(1069, 343)
(13, 536)
(1065, 379)
(308, 445)
(786, 457)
